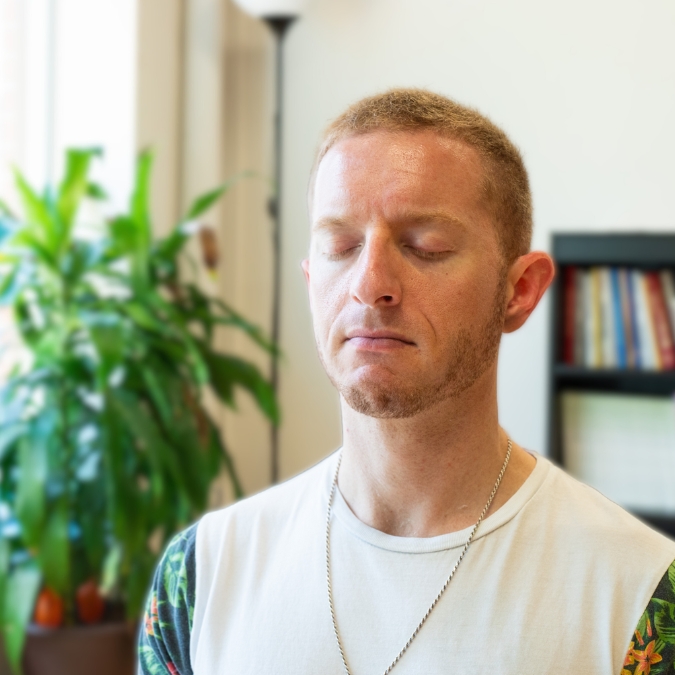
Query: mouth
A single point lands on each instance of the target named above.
(377, 340)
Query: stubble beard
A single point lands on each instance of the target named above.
(470, 355)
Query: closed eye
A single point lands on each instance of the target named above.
(340, 255)
(428, 255)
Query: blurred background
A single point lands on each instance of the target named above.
(584, 89)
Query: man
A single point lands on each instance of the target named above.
(430, 542)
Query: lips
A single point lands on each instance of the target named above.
(377, 339)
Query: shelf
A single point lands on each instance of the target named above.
(645, 251)
(632, 250)
(656, 382)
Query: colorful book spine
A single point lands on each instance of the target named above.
(632, 306)
(607, 323)
(668, 287)
(618, 317)
(594, 344)
(580, 321)
(619, 330)
(649, 352)
(569, 320)
(659, 316)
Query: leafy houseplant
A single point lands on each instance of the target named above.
(105, 444)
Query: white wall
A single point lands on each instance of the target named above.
(94, 88)
(585, 88)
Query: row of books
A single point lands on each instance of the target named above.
(619, 318)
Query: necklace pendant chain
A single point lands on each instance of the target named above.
(440, 593)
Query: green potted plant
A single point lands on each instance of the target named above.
(106, 447)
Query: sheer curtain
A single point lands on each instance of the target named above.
(12, 94)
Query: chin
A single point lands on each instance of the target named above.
(386, 400)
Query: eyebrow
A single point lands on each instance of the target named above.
(419, 217)
(329, 223)
(411, 218)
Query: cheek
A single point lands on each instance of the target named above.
(328, 296)
(459, 302)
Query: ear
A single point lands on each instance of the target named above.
(528, 278)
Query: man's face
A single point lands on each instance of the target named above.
(405, 275)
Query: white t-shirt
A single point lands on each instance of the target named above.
(555, 581)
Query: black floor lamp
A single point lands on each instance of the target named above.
(278, 15)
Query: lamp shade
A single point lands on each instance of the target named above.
(267, 8)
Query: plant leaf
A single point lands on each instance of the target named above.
(123, 503)
(37, 214)
(111, 569)
(140, 214)
(227, 370)
(9, 435)
(30, 498)
(204, 202)
(9, 286)
(108, 339)
(95, 538)
(5, 552)
(95, 191)
(233, 318)
(157, 394)
(138, 582)
(22, 587)
(145, 430)
(32, 240)
(72, 189)
(55, 550)
(124, 235)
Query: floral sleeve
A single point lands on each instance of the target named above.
(652, 648)
(164, 639)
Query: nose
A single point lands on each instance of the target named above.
(376, 277)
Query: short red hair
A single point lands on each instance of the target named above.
(506, 185)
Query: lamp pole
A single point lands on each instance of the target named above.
(278, 25)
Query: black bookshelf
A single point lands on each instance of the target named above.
(644, 251)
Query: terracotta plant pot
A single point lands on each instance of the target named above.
(104, 649)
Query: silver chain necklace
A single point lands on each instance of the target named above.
(440, 593)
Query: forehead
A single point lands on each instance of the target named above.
(393, 170)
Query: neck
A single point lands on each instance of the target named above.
(432, 473)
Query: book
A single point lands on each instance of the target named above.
(619, 330)
(650, 358)
(637, 347)
(668, 287)
(618, 317)
(607, 323)
(580, 317)
(626, 318)
(660, 321)
(622, 445)
(594, 320)
(569, 319)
